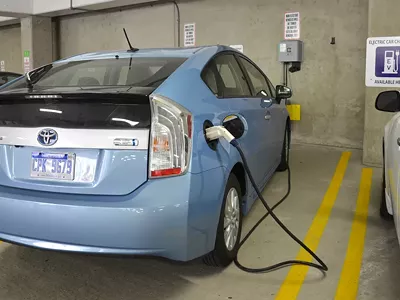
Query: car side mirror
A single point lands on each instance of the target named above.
(283, 92)
(388, 101)
(234, 125)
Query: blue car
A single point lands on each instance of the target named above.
(106, 152)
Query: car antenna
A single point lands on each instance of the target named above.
(131, 49)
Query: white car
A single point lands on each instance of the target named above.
(390, 101)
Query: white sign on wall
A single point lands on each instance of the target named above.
(189, 35)
(383, 62)
(27, 65)
(2, 66)
(292, 26)
(237, 47)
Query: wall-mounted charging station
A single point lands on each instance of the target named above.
(291, 53)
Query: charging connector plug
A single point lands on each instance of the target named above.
(217, 132)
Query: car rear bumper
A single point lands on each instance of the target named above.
(75, 248)
(174, 217)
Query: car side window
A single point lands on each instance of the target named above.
(209, 77)
(233, 82)
(257, 79)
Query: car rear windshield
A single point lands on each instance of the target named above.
(100, 113)
(134, 71)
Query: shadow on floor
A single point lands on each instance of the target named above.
(27, 273)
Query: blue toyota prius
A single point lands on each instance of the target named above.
(106, 152)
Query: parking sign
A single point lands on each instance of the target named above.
(383, 62)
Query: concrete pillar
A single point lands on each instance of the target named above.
(382, 21)
(36, 42)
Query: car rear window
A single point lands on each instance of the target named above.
(135, 71)
(100, 113)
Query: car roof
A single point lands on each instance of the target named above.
(149, 52)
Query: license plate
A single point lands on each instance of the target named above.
(59, 166)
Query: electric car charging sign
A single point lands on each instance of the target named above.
(383, 62)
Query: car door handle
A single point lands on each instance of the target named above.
(266, 102)
(267, 116)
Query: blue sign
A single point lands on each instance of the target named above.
(387, 61)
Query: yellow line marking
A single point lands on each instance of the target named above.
(348, 283)
(297, 274)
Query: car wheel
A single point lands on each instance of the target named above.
(283, 165)
(383, 209)
(229, 227)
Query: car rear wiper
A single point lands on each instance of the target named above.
(28, 80)
(39, 72)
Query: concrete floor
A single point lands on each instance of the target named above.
(35, 274)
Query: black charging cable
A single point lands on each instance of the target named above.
(270, 211)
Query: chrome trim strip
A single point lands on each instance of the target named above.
(76, 138)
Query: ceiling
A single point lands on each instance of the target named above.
(12, 11)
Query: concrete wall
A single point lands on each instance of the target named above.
(10, 48)
(376, 120)
(146, 27)
(37, 38)
(330, 87)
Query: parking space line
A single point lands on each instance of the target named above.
(290, 288)
(348, 283)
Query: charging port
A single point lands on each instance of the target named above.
(212, 144)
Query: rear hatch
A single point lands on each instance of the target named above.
(75, 141)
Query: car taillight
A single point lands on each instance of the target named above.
(170, 138)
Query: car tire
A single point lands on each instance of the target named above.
(383, 208)
(226, 248)
(284, 164)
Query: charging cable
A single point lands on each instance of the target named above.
(216, 132)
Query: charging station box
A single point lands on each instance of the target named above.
(290, 51)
